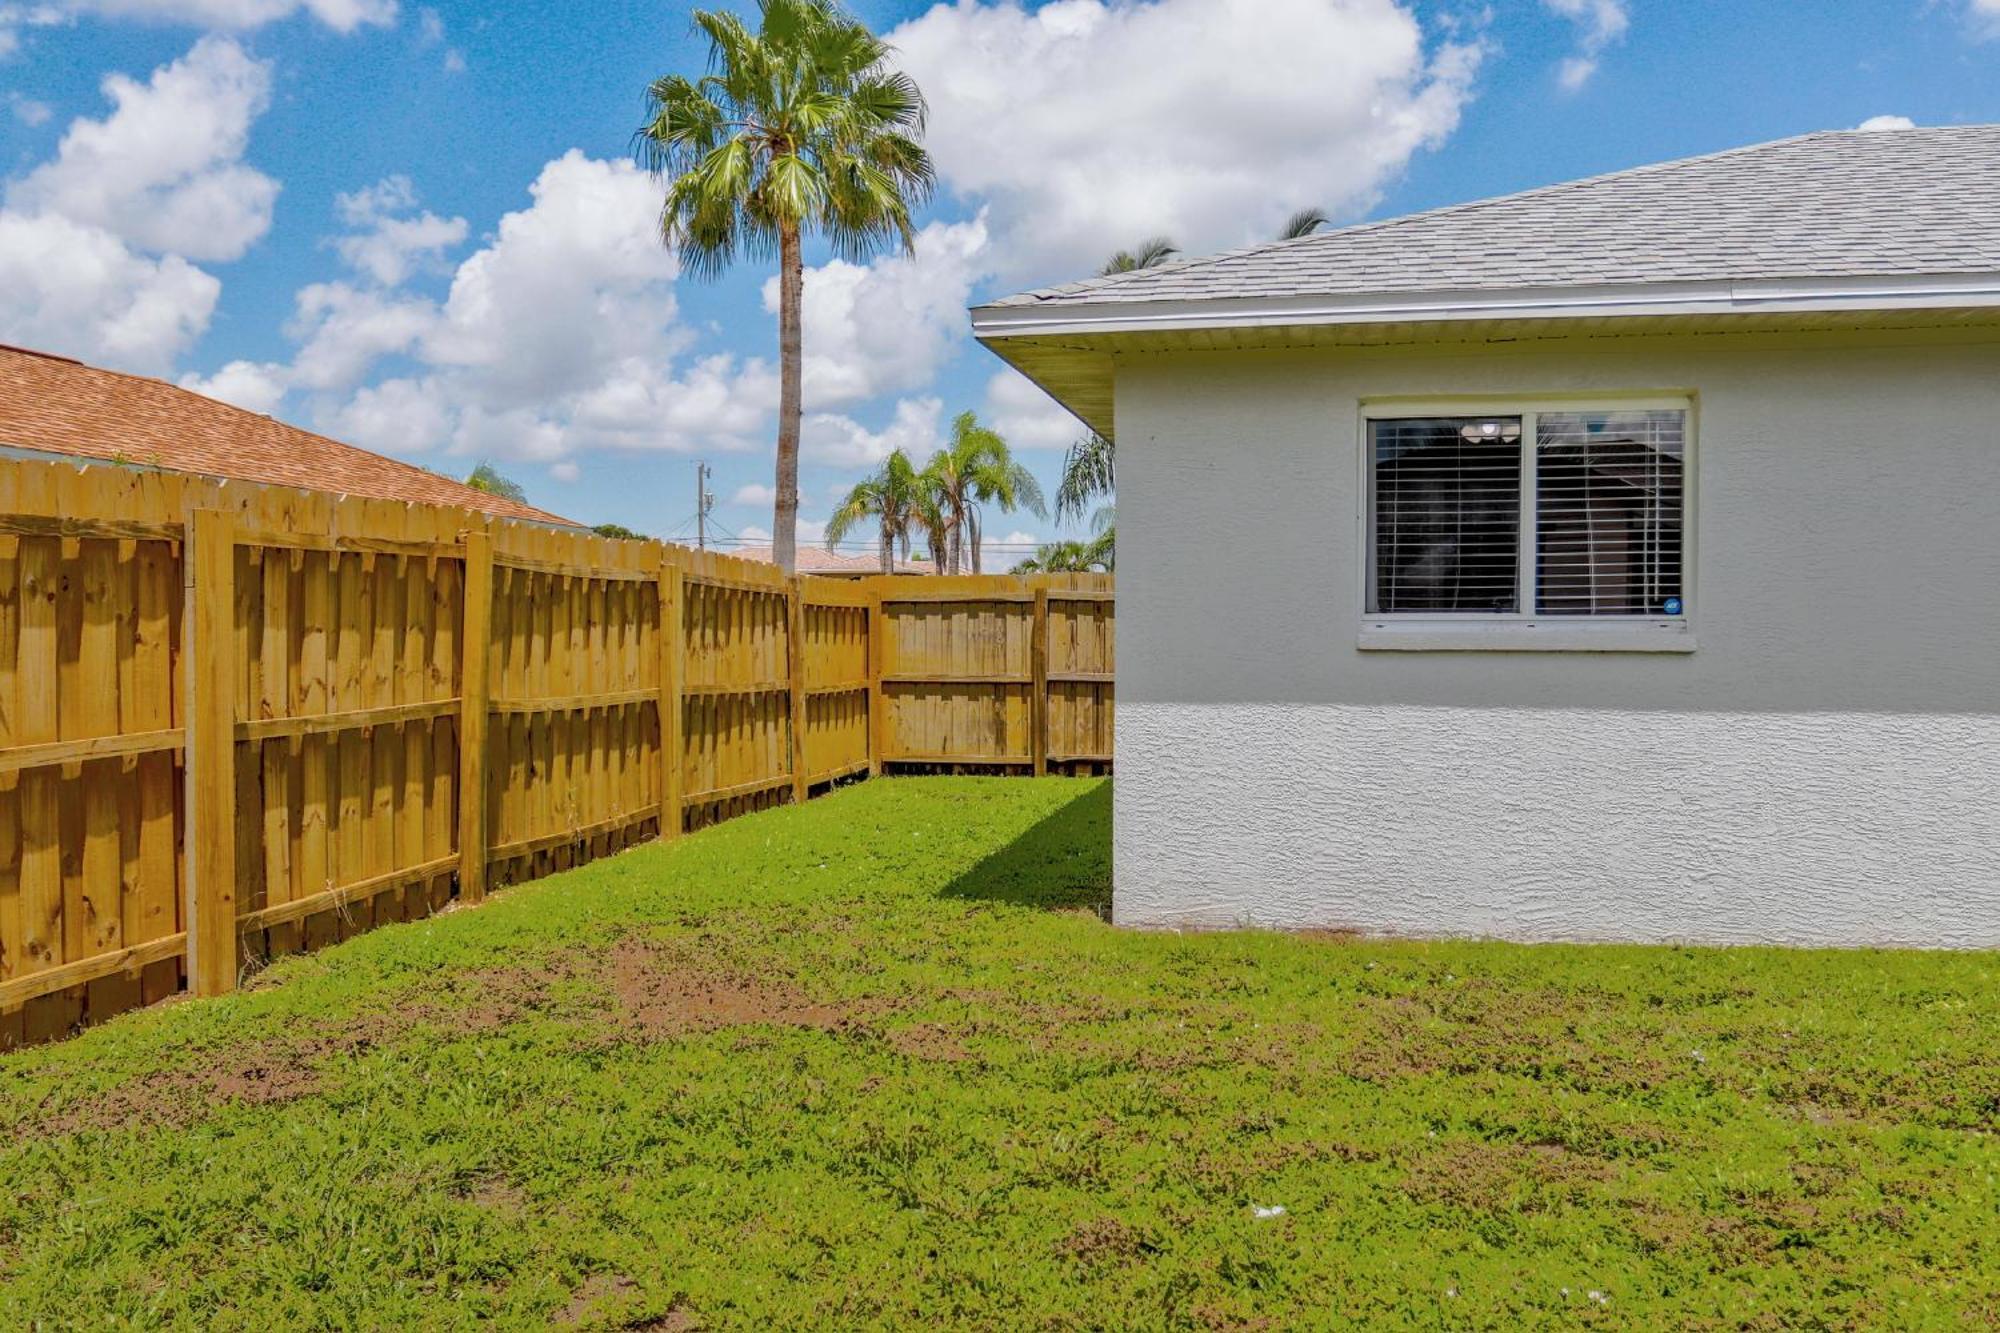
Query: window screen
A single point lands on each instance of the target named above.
(1447, 514)
(1608, 513)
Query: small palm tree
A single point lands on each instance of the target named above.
(800, 125)
(1149, 253)
(1064, 557)
(974, 469)
(1303, 223)
(892, 497)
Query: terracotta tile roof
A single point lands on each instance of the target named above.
(55, 405)
(815, 559)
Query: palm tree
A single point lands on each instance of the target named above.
(1149, 253)
(1064, 557)
(798, 125)
(976, 468)
(892, 497)
(1303, 223)
(1086, 475)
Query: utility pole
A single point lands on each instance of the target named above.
(703, 502)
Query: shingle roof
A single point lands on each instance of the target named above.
(1837, 204)
(56, 405)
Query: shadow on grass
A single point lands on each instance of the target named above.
(1063, 862)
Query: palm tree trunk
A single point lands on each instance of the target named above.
(972, 536)
(888, 547)
(791, 293)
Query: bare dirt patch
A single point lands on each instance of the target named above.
(597, 1289)
(1488, 1176)
(1103, 1240)
(656, 994)
(929, 1041)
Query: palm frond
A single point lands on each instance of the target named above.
(1087, 474)
(1303, 223)
(1149, 253)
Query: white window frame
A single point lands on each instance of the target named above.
(1523, 630)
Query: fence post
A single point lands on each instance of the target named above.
(209, 561)
(796, 658)
(671, 744)
(474, 646)
(1038, 657)
(875, 710)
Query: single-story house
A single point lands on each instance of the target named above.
(1627, 561)
(56, 406)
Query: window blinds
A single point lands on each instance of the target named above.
(1447, 514)
(1598, 532)
(1608, 513)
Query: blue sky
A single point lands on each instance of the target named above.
(416, 226)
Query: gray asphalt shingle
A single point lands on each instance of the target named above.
(1837, 204)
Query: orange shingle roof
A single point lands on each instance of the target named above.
(59, 406)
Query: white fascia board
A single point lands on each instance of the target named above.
(1761, 296)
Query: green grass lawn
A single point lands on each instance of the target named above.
(877, 1062)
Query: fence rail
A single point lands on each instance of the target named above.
(239, 721)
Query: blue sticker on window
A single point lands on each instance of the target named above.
(1673, 606)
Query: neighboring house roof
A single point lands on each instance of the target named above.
(814, 559)
(1841, 229)
(1840, 204)
(52, 404)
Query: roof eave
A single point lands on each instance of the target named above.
(1730, 296)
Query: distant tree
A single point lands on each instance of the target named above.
(1087, 475)
(489, 479)
(1149, 253)
(1065, 557)
(799, 125)
(1303, 223)
(974, 469)
(892, 497)
(618, 530)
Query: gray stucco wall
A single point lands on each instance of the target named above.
(1824, 769)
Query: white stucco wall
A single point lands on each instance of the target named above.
(1824, 769)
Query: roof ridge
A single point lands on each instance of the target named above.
(1108, 281)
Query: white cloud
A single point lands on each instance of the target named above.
(1985, 17)
(345, 330)
(916, 428)
(1599, 23)
(887, 326)
(1026, 417)
(78, 289)
(396, 415)
(565, 471)
(163, 171)
(28, 111)
(1874, 123)
(559, 335)
(340, 15)
(390, 244)
(1088, 124)
(1018, 537)
(253, 385)
(755, 494)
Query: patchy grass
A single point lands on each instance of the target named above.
(877, 1062)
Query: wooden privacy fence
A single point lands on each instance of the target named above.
(237, 720)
